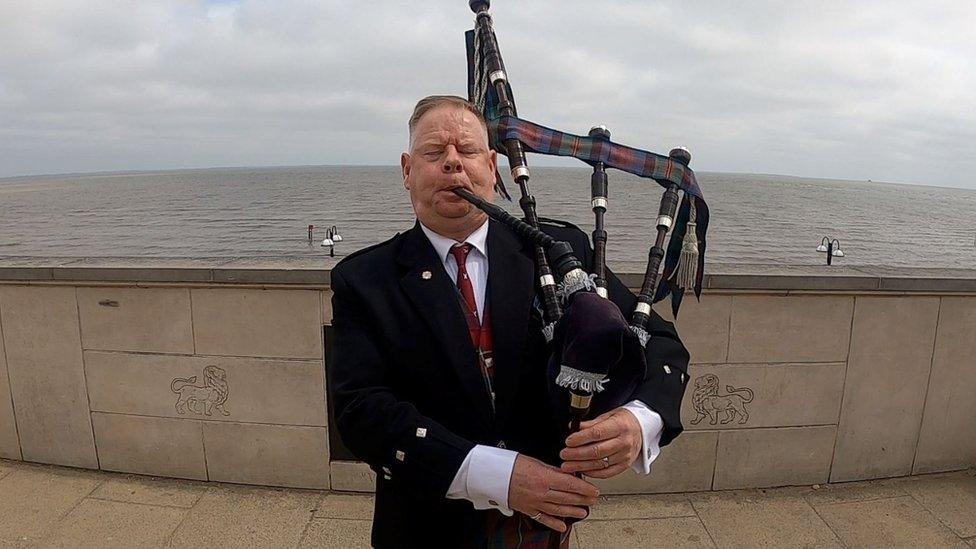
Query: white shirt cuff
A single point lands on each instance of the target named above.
(484, 477)
(652, 427)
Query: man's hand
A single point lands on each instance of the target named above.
(547, 494)
(615, 435)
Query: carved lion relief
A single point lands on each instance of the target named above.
(709, 403)
(202, 399)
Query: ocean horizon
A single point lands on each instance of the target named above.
(265, 211)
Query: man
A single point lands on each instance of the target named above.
(438, 373)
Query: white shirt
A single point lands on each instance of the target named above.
(484, 475)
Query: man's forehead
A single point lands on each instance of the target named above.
(449, 118)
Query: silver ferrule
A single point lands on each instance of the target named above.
(599, 202)
(495, 76)
(643, 308)
(547, 280)
(520, 171)
(601, 291)
(664, 221)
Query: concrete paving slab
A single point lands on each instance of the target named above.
(854, 491)
(895, 522)
(33, 500)
(951, 498)
(641, 507)
(345, 506)
(229, 516)
(337, 534)
(675, 532)
(150, 491)
(98, 524)
(757, 519)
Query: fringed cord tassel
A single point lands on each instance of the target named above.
(688, 260)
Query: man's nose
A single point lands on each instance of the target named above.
(452, 161)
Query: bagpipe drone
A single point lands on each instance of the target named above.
(598, 357)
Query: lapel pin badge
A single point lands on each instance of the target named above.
(426, 275)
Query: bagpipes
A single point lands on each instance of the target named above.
(591, 341)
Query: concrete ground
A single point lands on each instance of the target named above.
(45, 506)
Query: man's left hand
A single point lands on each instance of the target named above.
(604, 446)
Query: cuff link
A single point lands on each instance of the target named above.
(493, 503)
(667, 369)
(401, 455)
(421, 432)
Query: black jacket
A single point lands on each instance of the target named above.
(407, 392)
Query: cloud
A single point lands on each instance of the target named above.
(868, 90)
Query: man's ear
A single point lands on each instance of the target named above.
(493, 160)
(405, 169)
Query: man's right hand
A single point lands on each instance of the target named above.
(539, 488)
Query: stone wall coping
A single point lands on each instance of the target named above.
(314, 271)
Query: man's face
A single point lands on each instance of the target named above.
(449, 149)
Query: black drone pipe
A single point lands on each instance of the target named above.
(515, 152)
(598, 199)
(665, 221)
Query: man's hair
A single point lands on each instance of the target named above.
(432, 102)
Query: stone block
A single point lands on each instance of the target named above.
(352, 476)
(790, 328)
(748, 519)
(136, 319)
(9, 443)
(150, 491)
(774, 395)
(948, 437)
(950, 498)
(678, 532)
(755, 458)
(273, 455)
(685, 465)
(267, 323)
(337, 533)
(150, 445)
(255, 518)
(47, 377)
(887, 375)
(703, 326)
(225, 389)
(106, 524)
(345, 506)
(897, 522)
(34, 499)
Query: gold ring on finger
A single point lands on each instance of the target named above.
(606, 462)
(536, 516)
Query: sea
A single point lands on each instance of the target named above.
(265, 212)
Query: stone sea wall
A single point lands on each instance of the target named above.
(215, 370)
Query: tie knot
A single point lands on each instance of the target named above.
(460, 252)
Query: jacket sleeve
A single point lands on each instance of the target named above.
(391, 435)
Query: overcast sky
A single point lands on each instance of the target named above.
(850, 89)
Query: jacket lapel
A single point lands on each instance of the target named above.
(434, 297)
(511, 284)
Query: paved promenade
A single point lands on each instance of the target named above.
(45, 506)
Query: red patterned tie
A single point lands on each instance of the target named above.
(460, 253)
